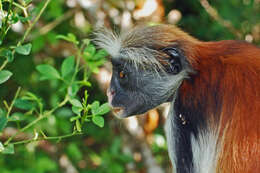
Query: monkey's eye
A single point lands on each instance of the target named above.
(122, 74)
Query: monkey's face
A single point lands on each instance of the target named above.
(134, 90)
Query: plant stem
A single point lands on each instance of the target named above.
(15, 4)
(12, 104)
(47, 138)
(6, 21)
(34, 22)
(45, 115)
(3, 65)
(28, 30)
(24, 128)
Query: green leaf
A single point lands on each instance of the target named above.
(89, 52)
(98, 120)
(24, 104)
(67, 66)
(3, 122)
(100, 54)
(99, 110)
(2, 112)
(5, 75)
(24, 49)
(7, 54)
(76, 110)
(17, 116)
(70, 38)
(48, 72)
(103, 109)
(9, 149)
(74, 88)
(76, 103)
(94, 107)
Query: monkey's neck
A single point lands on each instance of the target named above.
(190, 111)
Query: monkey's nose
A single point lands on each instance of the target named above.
(110, 92)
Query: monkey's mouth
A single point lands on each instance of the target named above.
(118, 111)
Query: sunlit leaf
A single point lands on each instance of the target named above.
(17, 116)
(89, 52)
(76, 103)
(98, 120)
(76, 110)
(69, 37)
(24, 49)
(9, 149)
(103, 109)
(5, 75)
(94, 107)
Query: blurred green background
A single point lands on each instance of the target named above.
(134, 145)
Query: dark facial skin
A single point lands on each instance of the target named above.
(134, 90)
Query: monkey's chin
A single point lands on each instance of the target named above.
(119, 112)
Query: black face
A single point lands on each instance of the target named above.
(134, 90)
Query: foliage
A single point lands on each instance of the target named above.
(51, 107)
(27, 110)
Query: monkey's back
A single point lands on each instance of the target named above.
(228, 79)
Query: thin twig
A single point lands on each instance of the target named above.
(47, 138)
(45, 115)
(3, 31)
(215, 15)
(12, 104)
(15, 4)
(45, 29)
(34, 22)
(28, 30)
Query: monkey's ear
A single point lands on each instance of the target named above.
(174, 61)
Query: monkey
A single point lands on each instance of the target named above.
(213, 87)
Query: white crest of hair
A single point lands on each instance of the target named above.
(205, 150)
(108, 40)
(130, 46)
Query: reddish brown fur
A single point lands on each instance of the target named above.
(230, 71)
(227, 83)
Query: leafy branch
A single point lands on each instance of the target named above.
(68, 74)
(19, 48)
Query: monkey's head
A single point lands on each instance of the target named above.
(149, 65)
